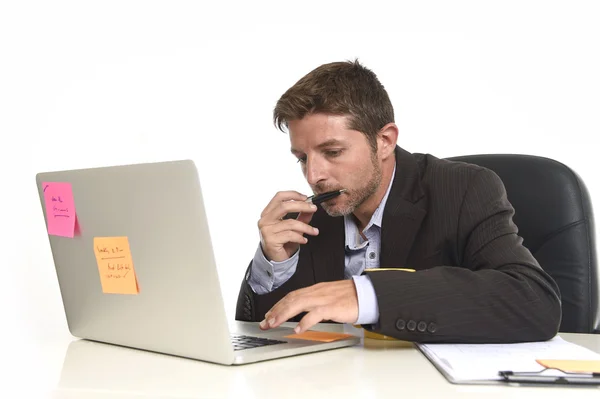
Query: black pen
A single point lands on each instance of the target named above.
(316, 199)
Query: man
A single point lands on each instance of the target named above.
(451, 222)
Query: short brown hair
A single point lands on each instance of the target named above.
(338, 88)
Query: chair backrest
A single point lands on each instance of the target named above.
(554, 215)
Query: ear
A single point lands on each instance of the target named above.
(386, 140)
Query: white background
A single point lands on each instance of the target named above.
(86, 84)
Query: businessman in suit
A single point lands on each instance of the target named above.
(451, 222)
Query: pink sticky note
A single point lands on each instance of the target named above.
(60, 209)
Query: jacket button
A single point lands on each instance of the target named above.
(432, 327)
(422, 326)
(411, 325)
(400, 324)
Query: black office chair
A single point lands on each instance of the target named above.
(554, 215)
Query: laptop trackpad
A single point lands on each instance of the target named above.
(253, 329)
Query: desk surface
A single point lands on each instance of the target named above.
(84, 369)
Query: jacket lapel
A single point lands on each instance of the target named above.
(328, 256)
(402, 217)
(398, 232)
(404, 212)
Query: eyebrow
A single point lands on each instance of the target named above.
(324, 144)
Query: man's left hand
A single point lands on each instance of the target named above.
(336, 301)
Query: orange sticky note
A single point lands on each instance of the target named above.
(60, 209)
(572, 366)
(322, 336)
(115, 265)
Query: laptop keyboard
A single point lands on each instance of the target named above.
(241, 342)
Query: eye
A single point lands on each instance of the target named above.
(333, 153)
(302, 160)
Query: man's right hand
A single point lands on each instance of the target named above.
(281, 238)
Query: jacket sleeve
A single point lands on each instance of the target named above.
(498, 293)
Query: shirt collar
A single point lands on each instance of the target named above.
(353, 238)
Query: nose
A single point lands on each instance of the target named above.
(314, 171)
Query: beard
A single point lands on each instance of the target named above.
(370, 177)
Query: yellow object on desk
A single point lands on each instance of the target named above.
(370, 334)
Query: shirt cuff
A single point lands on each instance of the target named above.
(265, 276)
(368, 309)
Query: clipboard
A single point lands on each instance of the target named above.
(539, 377)
(555, 362)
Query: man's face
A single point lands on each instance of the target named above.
(335, 157)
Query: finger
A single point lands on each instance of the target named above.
(292, 225)
(290, 297)
(282, 238)
(288, 207)
(305, 217)
(309, 320)
(289, 307)
(281, 197)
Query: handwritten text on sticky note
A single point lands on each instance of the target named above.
(322, 336)
(115, 265)
(60, 209)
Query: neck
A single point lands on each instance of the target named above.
(365, 211)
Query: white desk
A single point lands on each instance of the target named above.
(375, 369)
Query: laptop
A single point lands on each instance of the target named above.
(174, 303)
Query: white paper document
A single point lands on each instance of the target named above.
(472, 363)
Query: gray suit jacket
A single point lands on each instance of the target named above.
(452, 222)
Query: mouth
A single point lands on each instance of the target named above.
(341, 190)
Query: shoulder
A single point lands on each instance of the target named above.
(432, 165)
(436, 170)
(448, 180)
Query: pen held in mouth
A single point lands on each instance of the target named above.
(315, 200)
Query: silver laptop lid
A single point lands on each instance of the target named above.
(159, 208)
